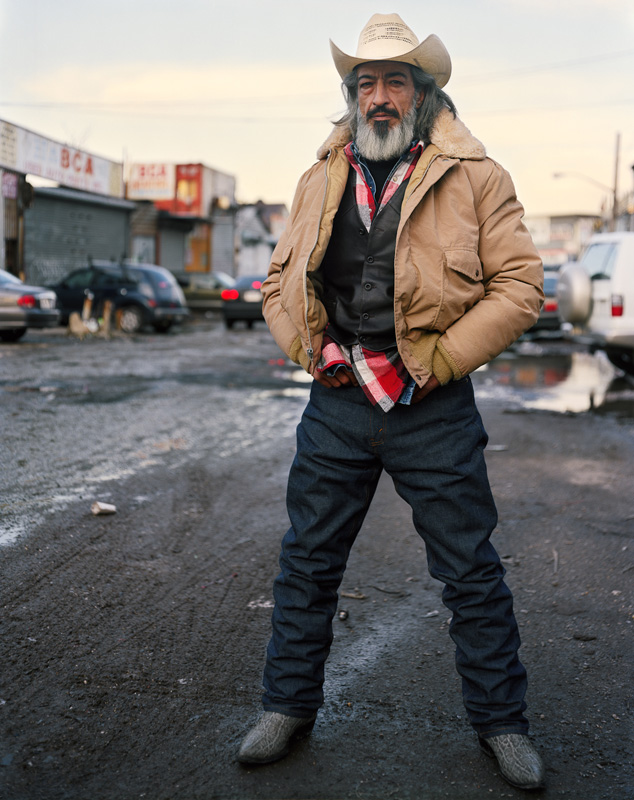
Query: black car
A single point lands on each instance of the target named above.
(141, 294)
(23, 306)
(203, 291)
(242, 302)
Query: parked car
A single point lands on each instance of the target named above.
(549, 319)
(141, 294)
(596, 296)
(203, 291)
(23, 306)
(242, 302)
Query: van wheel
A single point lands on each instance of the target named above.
(130, 319)
(622, 359)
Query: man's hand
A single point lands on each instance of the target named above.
(423, 391)
(343, 377)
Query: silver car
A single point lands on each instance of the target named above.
(23, 306)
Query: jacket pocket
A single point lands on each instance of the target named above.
(464, 262)
(462, 285)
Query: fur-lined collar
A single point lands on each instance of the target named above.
(450, 135)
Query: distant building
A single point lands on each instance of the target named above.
(65, 228)
(190, 199)
(258, 228)
(562, 237)
(181, 216)
(42, 229)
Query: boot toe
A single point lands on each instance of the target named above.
(270, 737)
(517, 759)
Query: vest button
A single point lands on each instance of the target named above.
(365, 316)
(361, 231)
(362, 339)
(370, 259)
(367, 286)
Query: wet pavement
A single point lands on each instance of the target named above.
(555, 375)
(132, 644)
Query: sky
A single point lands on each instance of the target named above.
(249, 87)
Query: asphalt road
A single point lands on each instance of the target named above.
(132, 644)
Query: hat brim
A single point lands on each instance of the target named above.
(431, 56)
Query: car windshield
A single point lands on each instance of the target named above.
(7, 278)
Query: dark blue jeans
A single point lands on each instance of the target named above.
(434, 453)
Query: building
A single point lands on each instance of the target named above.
(84, 176)
(180, 216)
(184, 196)
(65, 228)
(258, 228)
(562, 237)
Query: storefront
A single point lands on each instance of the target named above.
(93, 194)
(194, 194)
(64, 229)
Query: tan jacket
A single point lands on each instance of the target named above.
(467, 277)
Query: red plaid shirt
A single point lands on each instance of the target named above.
(381, 375)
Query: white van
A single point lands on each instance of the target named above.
(596, 295)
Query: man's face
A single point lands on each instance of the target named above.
(386, 93)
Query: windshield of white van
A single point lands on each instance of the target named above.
(598, 260)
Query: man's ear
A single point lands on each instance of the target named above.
(420, 98)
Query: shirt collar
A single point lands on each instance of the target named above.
(354, 156)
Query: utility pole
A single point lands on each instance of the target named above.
(615, 200)
(631, 206)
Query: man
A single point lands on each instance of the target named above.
(404, 267)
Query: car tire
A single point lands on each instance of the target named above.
(12, 334)
(130, 319)
(574, 294)
(229, 324)
(622, 359)
(163, 326)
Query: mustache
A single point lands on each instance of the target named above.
(384, 111)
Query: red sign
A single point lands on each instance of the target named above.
(189, 190)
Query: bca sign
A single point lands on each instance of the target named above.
(27, 152)
(151, 182)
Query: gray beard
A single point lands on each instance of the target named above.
(376, 141)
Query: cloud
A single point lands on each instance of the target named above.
(211, 84)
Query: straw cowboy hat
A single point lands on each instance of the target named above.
(387, 38)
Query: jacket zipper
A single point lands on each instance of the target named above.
(323, 205)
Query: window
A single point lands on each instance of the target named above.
(598, 260)
(80, 280)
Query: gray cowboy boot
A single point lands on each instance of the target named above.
(270, 737)
(517, 759)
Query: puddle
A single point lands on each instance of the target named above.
(573, 382)
(549, 376)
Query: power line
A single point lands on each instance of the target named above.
(255, 118)
(496, 76)
(467, 80)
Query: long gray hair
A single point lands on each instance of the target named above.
(433, 103)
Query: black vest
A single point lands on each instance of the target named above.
(358, 273)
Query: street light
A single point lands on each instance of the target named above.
(612, 189)
(585, 178)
